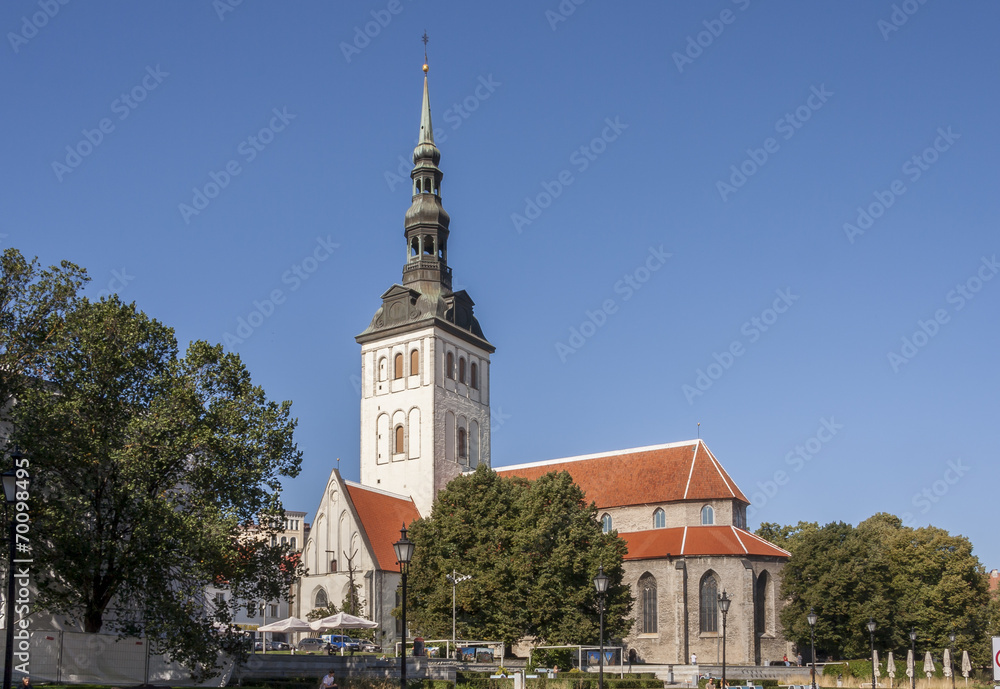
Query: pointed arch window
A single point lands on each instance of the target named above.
(659, 518)
(462, 444)
(320, 600)
(606, 523)
(709, 603)
(474, 375)
(647, 610)
(461, 369)
(707, 515)
(397, 366)
(414, 362)
(399, 439)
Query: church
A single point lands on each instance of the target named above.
(425, 419)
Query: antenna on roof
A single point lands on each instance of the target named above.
(699, 433)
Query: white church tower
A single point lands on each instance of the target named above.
(425, 363)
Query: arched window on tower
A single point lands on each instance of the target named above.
(647, 611)
(707, 515)
(449, 365)
(606, 523)
(414, 247)
(461, 369)
(462, 445)
(474, 375)
(397, 366)
(709, 603)
(399, 438)
(414, 362)
(659, 518)
(428, 245)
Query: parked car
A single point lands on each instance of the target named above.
(313, 645)
(338, 641)
(278, 646)
(368, 646)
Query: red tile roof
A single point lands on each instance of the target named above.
(382, 515)
(697, 540)
(645, 475)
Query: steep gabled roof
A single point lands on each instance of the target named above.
(644, 475)
(381, 515)
(697, 540)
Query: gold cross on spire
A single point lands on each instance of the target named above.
(424, 38)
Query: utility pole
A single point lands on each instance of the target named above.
(455, 578)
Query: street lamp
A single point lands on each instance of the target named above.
(455, 578)
(601, 584)
(404, 551)
(913, 654)
(724, 601)
(871, 631)
(951, 657)
(10, 493)
(812, 618)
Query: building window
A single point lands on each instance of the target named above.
(461, 369)
(707, 515)
(333, 566)
(449, 365)
(659, 518)
(414, 362)
(320, 600)
(273, 610)
(606, 523)
(474, 376)
(709, 603)
(284, 540)
(398, 448)
(383, 369)
(220, 598)
(291, 542)
(397, 366)
(647, 590)
(462, 452)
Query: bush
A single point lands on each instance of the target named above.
(552, 657)
(437, 684)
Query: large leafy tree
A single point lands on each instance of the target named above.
(153, 476)
(532, 549)
(900, 577)
(32, 302)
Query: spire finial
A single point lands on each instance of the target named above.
(424, 38)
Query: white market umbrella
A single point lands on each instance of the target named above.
(909, 663)
(928, 665)
(890, 668)
(878, 673)
(946, 663)
(343, 621)
(966, 666)
(291, 624)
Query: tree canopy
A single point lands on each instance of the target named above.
(154, 475)
(532, 550)
(900, 577)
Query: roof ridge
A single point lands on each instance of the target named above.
(718, 467)
(598, 455)
(694, 457)
(764, 540)
(684, 539)
(739, 540)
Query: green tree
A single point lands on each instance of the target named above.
(532, 549)
(900, 577)
(153, 476)
(32, 304)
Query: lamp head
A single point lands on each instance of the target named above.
(812, 617)
(871, 625)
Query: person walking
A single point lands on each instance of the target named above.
(329, 681)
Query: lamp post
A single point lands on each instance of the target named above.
(812, 618)
(871, 631)
(601, 584)
(951, 657)
(9, 493)
(455, 578)
(724, 601)
(913, 654)
(404, 551)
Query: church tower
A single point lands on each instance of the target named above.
(425, 363)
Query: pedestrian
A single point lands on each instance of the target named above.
(694, 658)
(798, 659)
(26, 682)
(329, 681)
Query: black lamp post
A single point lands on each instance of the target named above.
(871, 631)
(951, 657)
(9, 493)
(601, 584)
(812, 618)
(404, 551)
(724, 601)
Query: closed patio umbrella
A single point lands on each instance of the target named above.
(909, 663)
(890, 668)
(928, 665)
(966, 666)
(946, 663)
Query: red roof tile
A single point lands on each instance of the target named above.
(661, 473)
(697, 540)
(381, 516)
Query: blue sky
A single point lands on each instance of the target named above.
(777, 220)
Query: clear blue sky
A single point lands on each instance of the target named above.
(824, 107)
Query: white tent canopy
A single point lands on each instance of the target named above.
(342, 621)
(291, 624)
